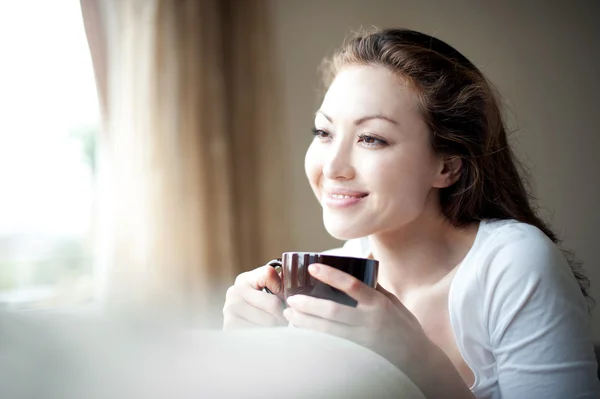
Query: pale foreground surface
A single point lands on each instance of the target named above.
(68, 358)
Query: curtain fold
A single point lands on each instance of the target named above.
(95, 30)
(192, 163)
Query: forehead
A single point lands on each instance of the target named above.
(358, 90)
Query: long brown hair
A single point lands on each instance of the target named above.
(462, 110)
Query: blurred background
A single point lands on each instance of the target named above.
(151, 150)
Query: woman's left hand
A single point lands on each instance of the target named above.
(379, 321)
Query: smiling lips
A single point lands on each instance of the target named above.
(342, 198)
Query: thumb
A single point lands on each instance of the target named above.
(266, 277)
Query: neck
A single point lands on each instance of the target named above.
(420, 254)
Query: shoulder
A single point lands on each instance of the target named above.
(521, 273)
(529, 312)
(514, 235)
(515, 271)
(506, 252)
(511, 250)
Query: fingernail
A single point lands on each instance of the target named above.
(314, 268)
(292, 300)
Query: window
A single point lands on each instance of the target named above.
(49, 122)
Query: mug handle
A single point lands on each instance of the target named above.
(275, 263)
(278, 265)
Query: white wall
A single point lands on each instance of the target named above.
(542, 55)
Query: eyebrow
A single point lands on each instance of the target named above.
(363, 119)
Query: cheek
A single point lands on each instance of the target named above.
(313, 165)
(404, 178)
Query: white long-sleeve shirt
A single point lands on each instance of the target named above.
(519, 318)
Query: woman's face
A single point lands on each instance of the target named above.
(371, 164)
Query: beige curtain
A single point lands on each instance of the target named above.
(191, 162)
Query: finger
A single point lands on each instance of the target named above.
(314, 323)
(251, 314)
(326, 309)
(264, 277)
(236, 305)
(268, 303)
(344, 282)
(390, 296)
(397, 303)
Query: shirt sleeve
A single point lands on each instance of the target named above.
(537, 320)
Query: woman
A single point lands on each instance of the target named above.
(411, 164)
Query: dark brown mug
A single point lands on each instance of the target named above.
(297, 280)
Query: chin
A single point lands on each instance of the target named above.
(345, 229)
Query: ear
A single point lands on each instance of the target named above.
(449, 172)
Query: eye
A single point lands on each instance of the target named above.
(371, 141)
(321, 134)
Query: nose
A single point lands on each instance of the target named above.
(339, 166)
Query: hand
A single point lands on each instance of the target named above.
(381, 323)
(246, 305)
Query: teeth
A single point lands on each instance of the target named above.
(340, 196)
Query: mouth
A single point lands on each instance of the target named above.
(343, 198)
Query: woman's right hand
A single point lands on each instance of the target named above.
(247, 305)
